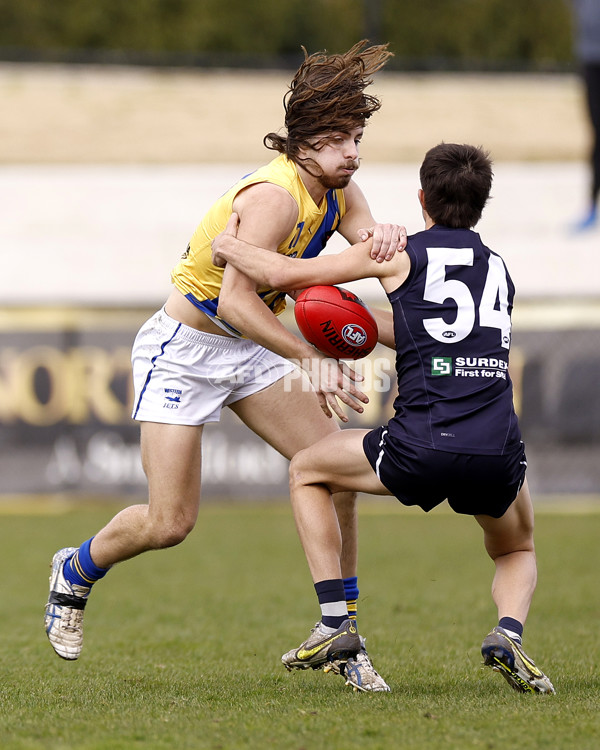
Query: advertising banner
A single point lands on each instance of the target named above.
(66, 399)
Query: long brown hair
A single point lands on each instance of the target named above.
(328, 94)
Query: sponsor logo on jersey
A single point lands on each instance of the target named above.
(441, 365)
(487, 362)
(470, 367)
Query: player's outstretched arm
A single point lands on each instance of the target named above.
(281, 272)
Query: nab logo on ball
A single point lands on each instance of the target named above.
(336, 321)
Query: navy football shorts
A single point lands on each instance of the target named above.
(472, 484)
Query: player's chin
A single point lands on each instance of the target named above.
(339, 181)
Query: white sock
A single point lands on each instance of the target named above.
(515, 636)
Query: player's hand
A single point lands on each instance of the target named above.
(219, 244)
(387, 240)
(333, 380)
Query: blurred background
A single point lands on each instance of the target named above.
(120, 123)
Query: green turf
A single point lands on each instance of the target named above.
(182, 646)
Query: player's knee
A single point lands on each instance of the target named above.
(295, 477)
(523, 535)
(509, 544)
(170, 534)
(298, 466)
(171, 537)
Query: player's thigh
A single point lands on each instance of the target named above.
(514, 530)
(338, 461)
(286, 415)
(172, 461)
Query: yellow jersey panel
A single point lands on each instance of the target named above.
(200, 281)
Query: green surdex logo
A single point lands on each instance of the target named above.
(441, 365)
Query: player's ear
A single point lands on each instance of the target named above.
(426, 216)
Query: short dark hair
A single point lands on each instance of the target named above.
(328, 94)
(456, 180)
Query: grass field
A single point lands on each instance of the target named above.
(182, 647)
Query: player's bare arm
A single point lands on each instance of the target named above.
(282, 272)
(359, 224)
(268, 215)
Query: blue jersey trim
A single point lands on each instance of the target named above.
(327, 227)
(210, 306)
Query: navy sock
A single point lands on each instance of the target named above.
(332, 601)
(81, 569)
(513, 627)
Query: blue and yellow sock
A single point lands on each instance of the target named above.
(351, 592)
(81, 569)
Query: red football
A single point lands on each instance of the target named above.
(336, 321)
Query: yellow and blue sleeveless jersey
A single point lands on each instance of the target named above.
(200, 281)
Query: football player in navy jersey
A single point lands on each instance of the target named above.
(454, 436)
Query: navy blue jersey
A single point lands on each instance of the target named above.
(453, 329)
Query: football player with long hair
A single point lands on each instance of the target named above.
(217, 342)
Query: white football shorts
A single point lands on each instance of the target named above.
(185, 376)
